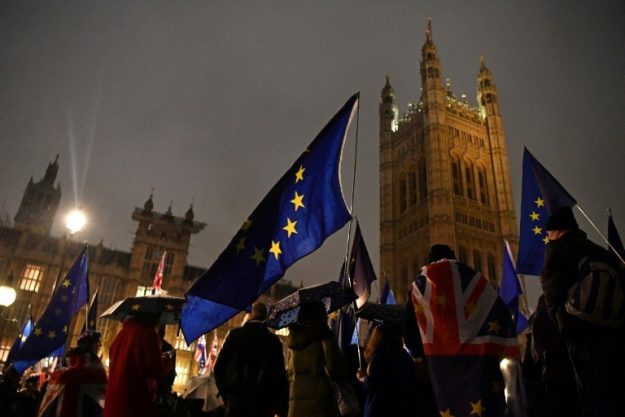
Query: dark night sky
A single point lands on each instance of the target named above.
(211, 101)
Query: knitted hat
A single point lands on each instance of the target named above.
(562, 219)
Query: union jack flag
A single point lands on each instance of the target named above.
(200, 352)
(77, 391)
(466, 330)
(158, 277)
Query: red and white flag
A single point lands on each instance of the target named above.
(158, 278)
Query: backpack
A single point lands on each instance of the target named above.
(598, 296)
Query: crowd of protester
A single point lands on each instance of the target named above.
(568, 367)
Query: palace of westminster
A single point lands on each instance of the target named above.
(444, 178)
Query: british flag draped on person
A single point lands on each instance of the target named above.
(465, 330)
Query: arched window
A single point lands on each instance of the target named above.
(482, 185)
(490, 264)
(470, 179)
(462, 254)
(412, 187)
(423, 180)
(477, 260)
(402, 194)
(456, 176)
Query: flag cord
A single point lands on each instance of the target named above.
(600, 234)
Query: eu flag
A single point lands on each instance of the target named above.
(20, 339)
(361, 269)
(92, 314)
(510, 290)
(295, 217)
(51, 330)
(541, 195)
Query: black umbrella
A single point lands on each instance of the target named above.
(167, 307)
(388, 313)
(331, 294)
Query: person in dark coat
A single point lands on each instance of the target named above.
(314, 348)
(250, 372)
(596, 352)
(391, 376)
(135, 366)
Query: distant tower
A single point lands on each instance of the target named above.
(158, 232)
(444, 177)
(40, 202)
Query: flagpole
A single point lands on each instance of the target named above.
(349, 233)
(600, 234)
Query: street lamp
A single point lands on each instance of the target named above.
(7, 293)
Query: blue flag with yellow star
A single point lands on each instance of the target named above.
(510, 290)
(541, 195)
(51, 330)
(19, 340)
(294, 218)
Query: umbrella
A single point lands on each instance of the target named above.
(389, 313)
(331, 294)
(167, 306)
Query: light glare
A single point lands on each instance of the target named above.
(75, 221)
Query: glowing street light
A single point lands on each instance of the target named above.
(7, 293)
(75, 221)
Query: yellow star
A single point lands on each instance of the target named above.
(446, 413)
(496, 387)
(241, 245)
(66, 283)
(290, 227)
(64, 298)
(477, 408)
(546, 240)
(441, 300)
(537, 230)
(246, 225)
(51, 334)
(38, 331)
(57, 311)
(539, 202)
(65, 329)
(275, 249)
(534, 216)
(136, 307)
(494, 326)
(258, 256)
(297, 201)
(299, 175)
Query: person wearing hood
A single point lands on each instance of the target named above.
(595, 351)
(391, 378)
(314, 347)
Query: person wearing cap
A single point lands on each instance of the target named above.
(595, 353)
(249, 371)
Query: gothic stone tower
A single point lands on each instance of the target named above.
(444, 177)
(40, 202)
(158, 232)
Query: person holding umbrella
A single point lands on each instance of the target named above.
(135, 366)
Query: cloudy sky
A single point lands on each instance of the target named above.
(211, 101)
